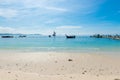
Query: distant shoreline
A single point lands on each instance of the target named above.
(59, 51)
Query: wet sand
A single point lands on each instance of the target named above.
(58, 66)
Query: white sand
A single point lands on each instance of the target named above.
(56, 66)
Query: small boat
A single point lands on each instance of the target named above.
(49, 36)
(54, 34)
(22, 36)
(71, 36)
(6, 36)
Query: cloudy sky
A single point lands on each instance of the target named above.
(79, 17)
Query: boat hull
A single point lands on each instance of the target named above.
(70, 37)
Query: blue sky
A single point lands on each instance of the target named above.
(80, 17)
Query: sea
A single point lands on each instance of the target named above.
(81, 44)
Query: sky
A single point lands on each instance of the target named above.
(79, 17)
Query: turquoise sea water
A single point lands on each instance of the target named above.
(61, 44)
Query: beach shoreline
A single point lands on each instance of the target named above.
(58, 66)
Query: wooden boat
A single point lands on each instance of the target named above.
(6, 36)
(71, 36)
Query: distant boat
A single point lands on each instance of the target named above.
(54, 34)
(22, 36)
(70, 36)
(49, 36)
(6, 36)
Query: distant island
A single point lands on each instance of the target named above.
(10, 35)
(116, 37)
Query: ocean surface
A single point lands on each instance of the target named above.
(81, 44)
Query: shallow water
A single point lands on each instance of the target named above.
(61, 44)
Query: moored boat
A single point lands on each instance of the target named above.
(6, 36)
(70, 36)
(22, 36)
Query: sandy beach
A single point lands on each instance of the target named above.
(58, 66)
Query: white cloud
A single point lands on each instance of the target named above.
(8, 13)
(69, 27)
(31, 8)
(53, 6)
(41, 4)
(69, 30)
(57, 9)
(54, 20)
(7, 30)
